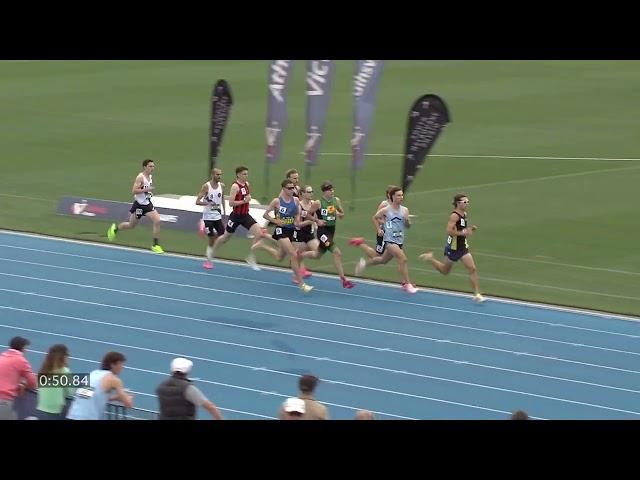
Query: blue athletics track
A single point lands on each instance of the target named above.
(251, 334)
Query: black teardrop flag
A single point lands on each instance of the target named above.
(221, 101)
(427, 117)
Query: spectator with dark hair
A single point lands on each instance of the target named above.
(89, 402)
(179, 399)
(314, 410)
(15, 374)
(519, 415)
(52, 401)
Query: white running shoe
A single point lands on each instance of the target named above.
(360, 266)
(479, 298)
(251, 260)
(305, 288)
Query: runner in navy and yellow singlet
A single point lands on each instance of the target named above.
(327, 211)
(457, 247)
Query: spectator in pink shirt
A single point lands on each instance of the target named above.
(15, 370)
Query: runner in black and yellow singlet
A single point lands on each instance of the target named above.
(457, 247)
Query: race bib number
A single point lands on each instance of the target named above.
(86, 392)
(295, 235)
(463, 222)
(230, 224)
(379, 248)
(139, 212)
(243, 191)
(389, 225)
(282, 210)
(278, 231)
(328, 213)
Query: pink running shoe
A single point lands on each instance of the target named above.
(305, 273)
(356, 241)
(409, 288)
(346, 283)
(208, 265)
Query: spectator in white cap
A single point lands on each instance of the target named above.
(313, 409)
(293, 409)
(178, 398)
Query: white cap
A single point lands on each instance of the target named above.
(181, 365)
(294, 404)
